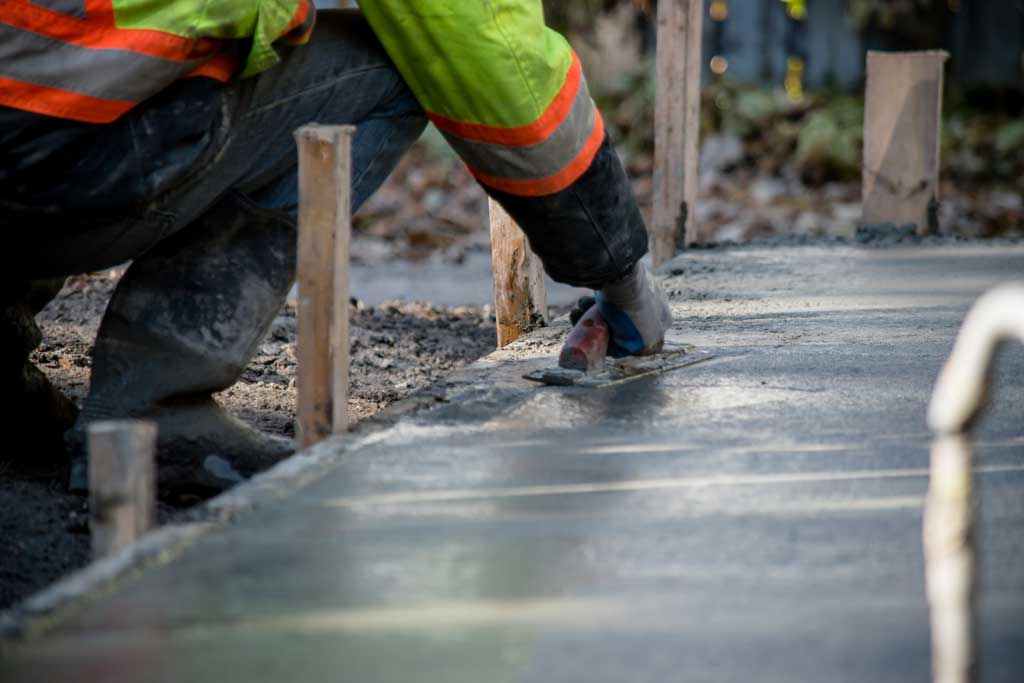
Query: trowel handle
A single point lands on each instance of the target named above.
(587, 344)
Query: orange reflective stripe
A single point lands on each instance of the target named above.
(96, 9)
(553, 183)
(102, 33)
(221, 67)
(302, 23)
(529, 134)
(56, 61)
(60, 103)
(540, 158)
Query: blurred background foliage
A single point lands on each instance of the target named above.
(908, 24)
(819, 133)
(775, 159)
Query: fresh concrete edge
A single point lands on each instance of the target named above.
(161, 545)
(34, 612)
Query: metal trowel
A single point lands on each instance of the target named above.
(584, 362)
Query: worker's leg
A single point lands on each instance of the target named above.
(182, 324)
(124, 187)
(343, 76)
(37, 411)
(189, 313)
(591, 234)
(389, 118)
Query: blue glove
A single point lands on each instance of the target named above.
(637, 312)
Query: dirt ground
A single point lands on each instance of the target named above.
(397, 349)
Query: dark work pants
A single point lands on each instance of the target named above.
(197, 188)
(137, 181)
(151, 186)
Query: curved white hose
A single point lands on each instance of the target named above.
(962, 388)
(960, 395)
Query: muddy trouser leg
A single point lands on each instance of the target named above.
(182, 324)
(38, 412)
(591, 234)
(189, 313)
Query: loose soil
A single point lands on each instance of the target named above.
(397, 348)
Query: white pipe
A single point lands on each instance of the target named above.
(960, 395)
(962, 388)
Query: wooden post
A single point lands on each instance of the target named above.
(520, 298)
(676, 127)
(122, 483)
(325, 225)
(902, 124)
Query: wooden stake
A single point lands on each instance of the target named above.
(122, 483)
(902, 124)
(676, 127)
(520, 298)
(325, 226)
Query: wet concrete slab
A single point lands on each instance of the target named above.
(755, 517)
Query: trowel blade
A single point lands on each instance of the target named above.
(621, 370)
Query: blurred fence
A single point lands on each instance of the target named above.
(764, 41)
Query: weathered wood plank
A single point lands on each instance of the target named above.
(902, 124)
(520, 297)
(325, 224)
(122, 483)
(676, 127)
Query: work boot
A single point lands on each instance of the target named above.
(182, 324)
(637, 312)
(35, 408)
(201, 450)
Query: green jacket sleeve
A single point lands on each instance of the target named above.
(264, 21)
(509, 95)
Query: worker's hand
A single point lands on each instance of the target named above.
(637, 312)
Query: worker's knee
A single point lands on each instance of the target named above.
(347, 29)
(342, 76)
(347, 36)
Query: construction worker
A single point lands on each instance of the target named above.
(161, 133)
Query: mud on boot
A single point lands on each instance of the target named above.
(182, 325)
(201, 450)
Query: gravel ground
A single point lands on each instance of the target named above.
(397, 349)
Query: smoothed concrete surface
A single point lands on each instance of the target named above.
(753, 518)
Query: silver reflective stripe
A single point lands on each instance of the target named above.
(533, 162)
(105, 74)
(72, 8)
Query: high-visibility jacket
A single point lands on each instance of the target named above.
(507, 92)
(93, 60)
